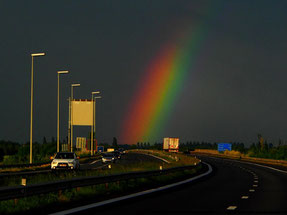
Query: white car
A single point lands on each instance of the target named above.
(65, 160)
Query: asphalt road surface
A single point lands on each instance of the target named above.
(126, 159)
(233, 187)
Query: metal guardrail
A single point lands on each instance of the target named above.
(244, 158)
(31, 165)
(36, 189)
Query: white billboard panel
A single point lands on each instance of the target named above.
(82, 113)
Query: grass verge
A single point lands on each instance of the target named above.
(72, 197)
(61, 200)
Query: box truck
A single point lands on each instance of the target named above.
(170, 144)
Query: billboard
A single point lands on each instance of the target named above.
(82, 113)
(81, 143)
(221, 147)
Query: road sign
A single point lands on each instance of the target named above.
(224, 146)
(100, 149)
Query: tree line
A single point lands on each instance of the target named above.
(16, 153)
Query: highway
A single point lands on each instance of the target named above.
(233, 187)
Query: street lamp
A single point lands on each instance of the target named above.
(92, 128)
(71, 116)
(97, 97)
(32, 86)
(58, 113)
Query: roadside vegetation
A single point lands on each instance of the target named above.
(102, 191)
(256, 150)
(15, 153)
(116, 168)
(89, 194)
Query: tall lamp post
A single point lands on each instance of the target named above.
(32, 86)
(94, 113)
(71, 115)
(92, 127)
(58, 112)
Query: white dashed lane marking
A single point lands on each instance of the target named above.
(231, 208)
(251, 190)
(244, 197)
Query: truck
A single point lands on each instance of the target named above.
(170, 144)
(110, 149)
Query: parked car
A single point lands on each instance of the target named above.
(65, 160)
(108, 157)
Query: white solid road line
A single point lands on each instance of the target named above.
(98, 204)
(96, 161)
(164, 160)
(231, 208)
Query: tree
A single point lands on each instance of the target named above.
(148, 145)
(44, 140)
(115, 143)
(53, 140)
(261, 140)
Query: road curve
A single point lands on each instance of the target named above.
(234, 187)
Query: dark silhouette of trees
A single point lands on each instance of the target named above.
(115, 143)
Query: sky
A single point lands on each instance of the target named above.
(232, 56)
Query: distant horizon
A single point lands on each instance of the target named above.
(247, 144)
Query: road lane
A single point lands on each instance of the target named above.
(270, 192)
(235, 187)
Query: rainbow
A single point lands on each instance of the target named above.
(156, 96)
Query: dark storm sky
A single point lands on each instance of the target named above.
(236, 89)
